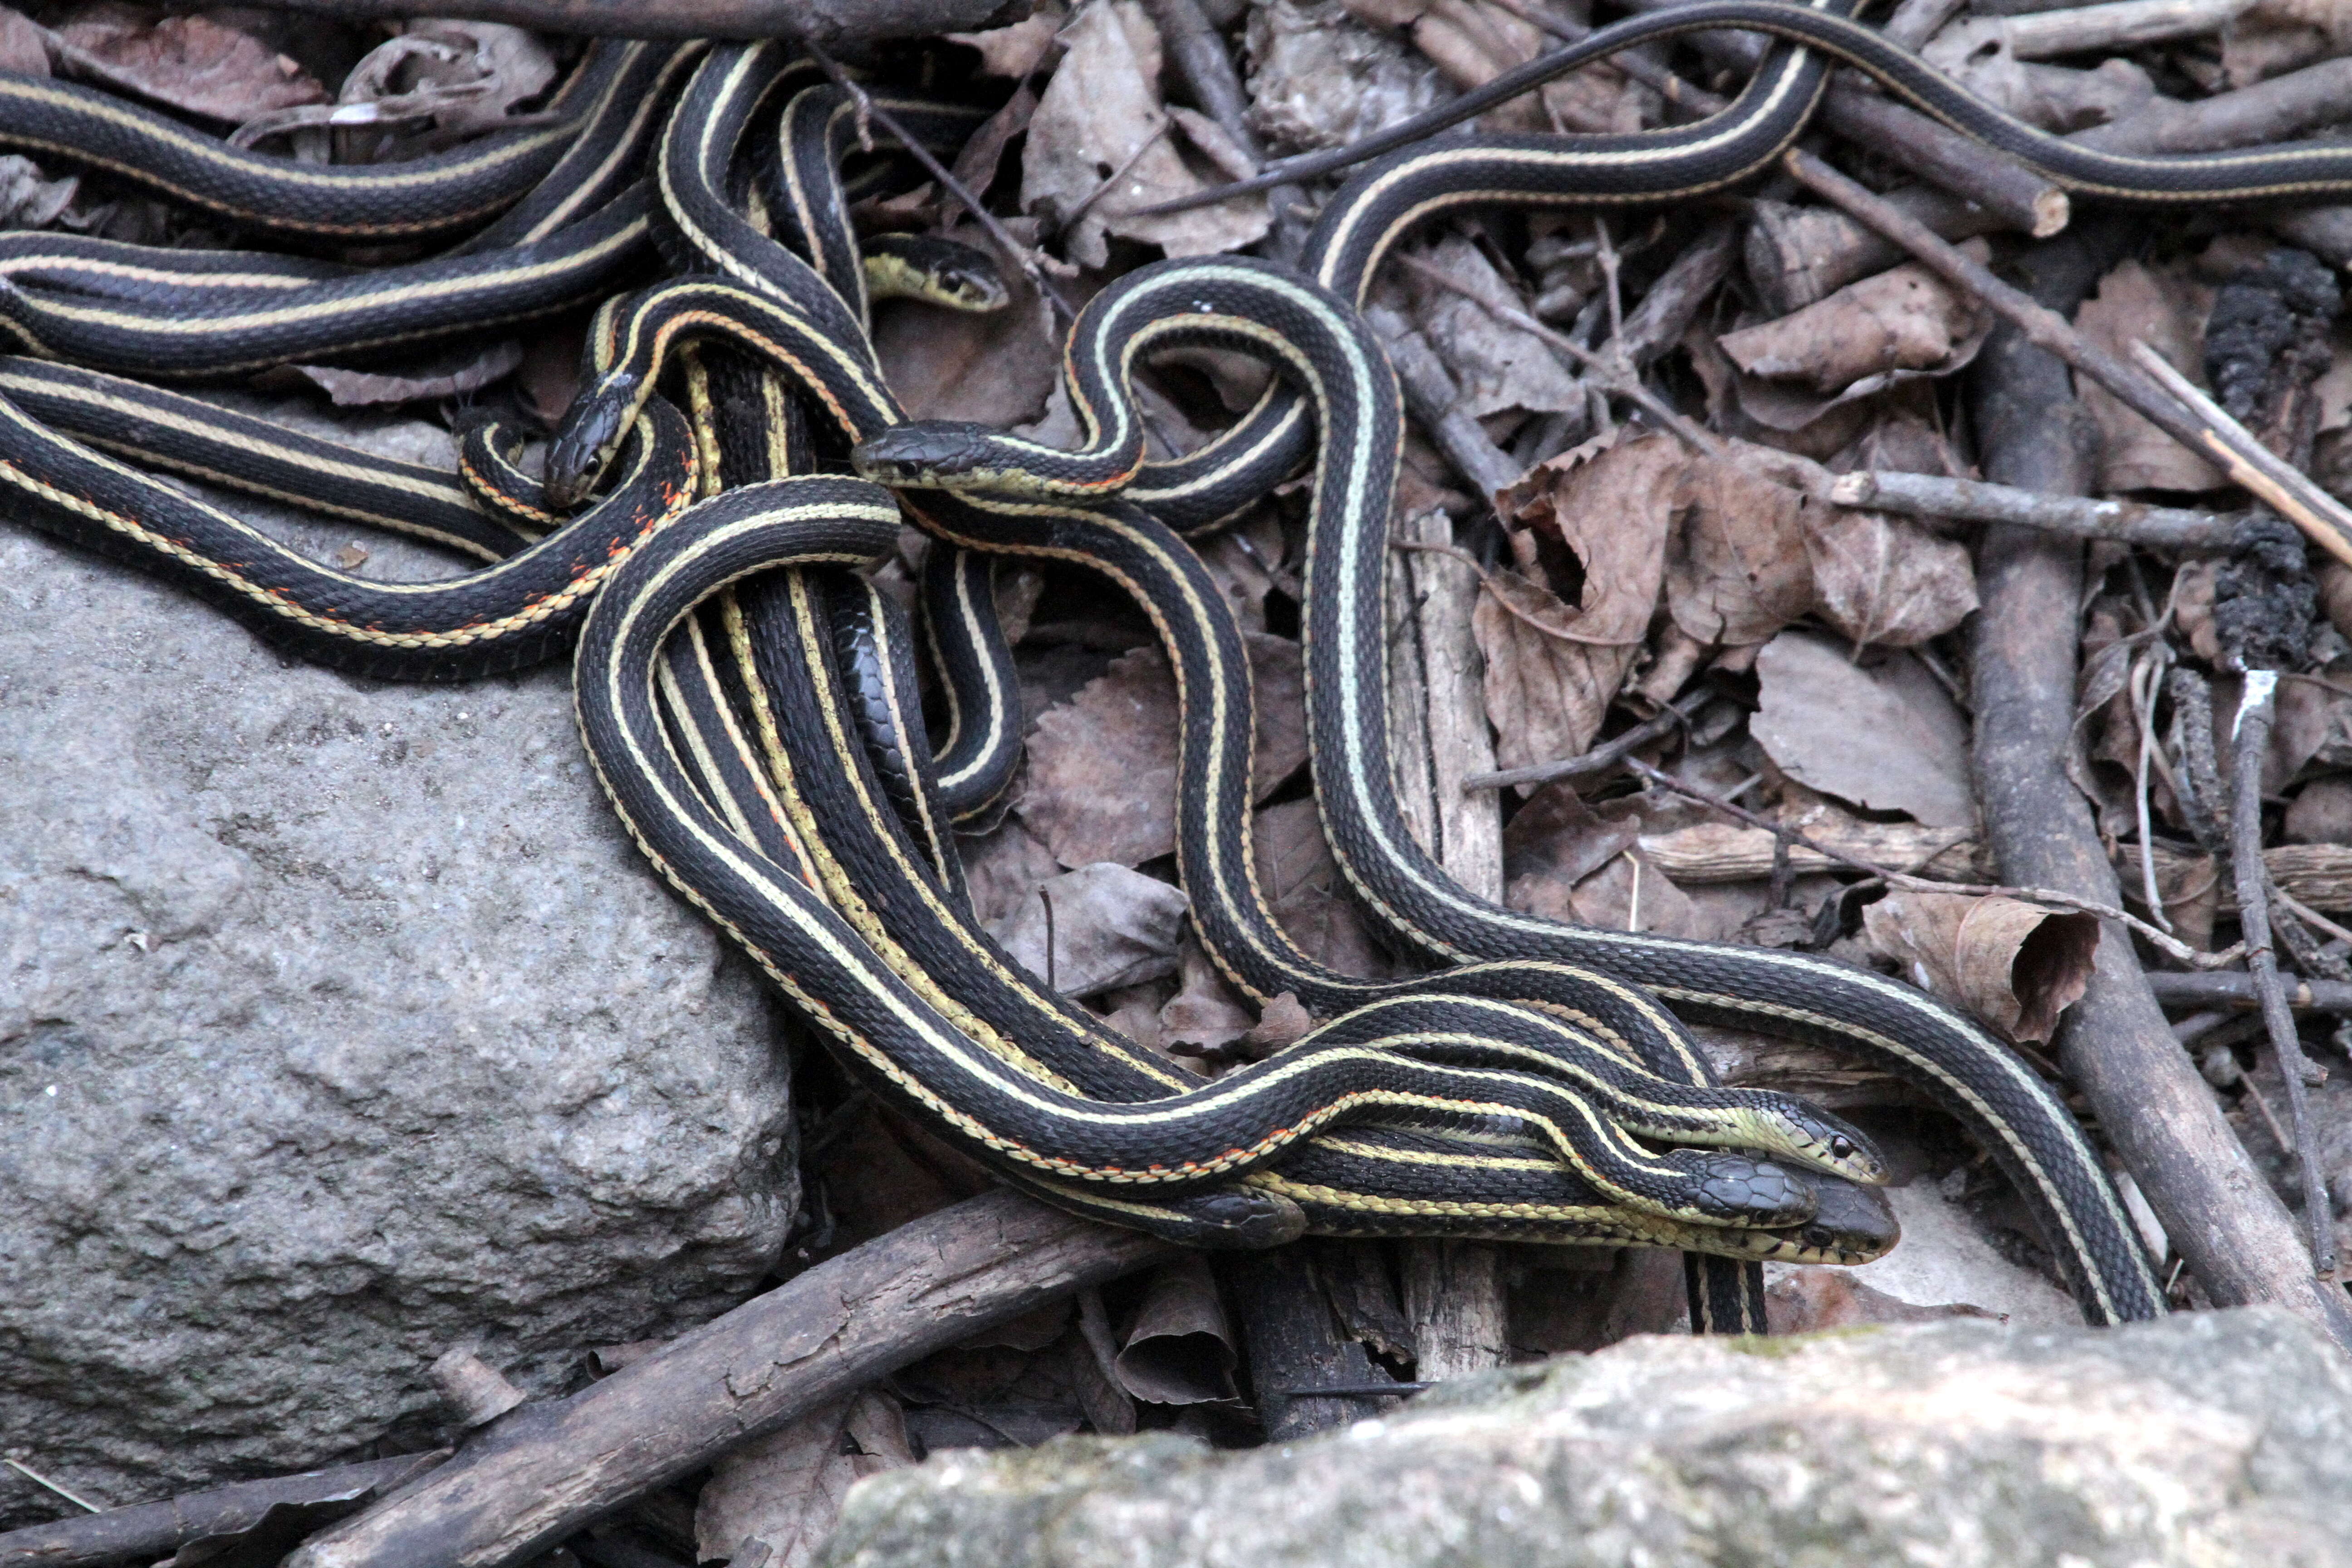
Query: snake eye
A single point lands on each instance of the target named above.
(1841, 1146)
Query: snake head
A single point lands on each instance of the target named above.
(1734, 1189)
(1850, 1224)
(932, 453)
(943, 272)
(1827, 1143)
(590, 437)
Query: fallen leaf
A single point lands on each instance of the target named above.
(1110, 927)
(995, 368)
(1102, 767)
(2275, 37)
(1179, 1349)
(785, 1488)
(448, 375)
(1019, 49)
(1905, 319)
(1886, 738)
(2321, 813)
(1545, 693)
(1737, 569)
(977, 164)
(24, 45)
(1283, 1021)
(191, 63)
(2165, 309)
(1496, 366)
(1206, 1014)
(1630, 893)
(2014, 964)
(1812, 1297)
(1554, 842)
(1305, 889)
(1100, 148)
(1883, 579)
(1320, 78)
(466, 76)
(28, 199)
(1004, 867)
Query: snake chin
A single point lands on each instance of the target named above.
(1851, 1224)
(1240, 1220)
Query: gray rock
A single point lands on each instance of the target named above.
(2214, 1440)
(339, 1024)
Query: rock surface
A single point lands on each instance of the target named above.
(2213, 1439)
(339, 1024)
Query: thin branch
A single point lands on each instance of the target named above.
(1023, 256)
(1930, 495)
(2254, 714)
(2155, 390)
(2170, 946)
(1601, 758)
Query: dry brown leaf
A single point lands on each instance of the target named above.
(192, 63)
(1004, 867)
(1554, 842)
(448, 375)
(1610, 513)
(1904, 318)
(1283, 1021)
(1110, 927)
(2322, 813)
(1887, 737)
(2279, 36)
(996, 368)
(1546, 694)
(24, 45)
(976, 164)
(1496, 366)
(1099, 141)
(1810, 1298)
(1102, 767)
(2165, 309)
(1737, 571)
(1179, 1349)
(2014, 964)
(28, 199)
(1019, 49)
(1206, 1013)
(1320, 78)
(1304, 886)
(785, 1489)
(1882, 579)
(1630, 893)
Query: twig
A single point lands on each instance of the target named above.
(2169, 946)
(2230, 988)
(549, 1470)
(151, 1531)
(39, 1479)
(1927, 495)
(830, 22)
(1610, 372)
(2254, 713)
(2169, 401)
(1601, 758)
(1023, 256)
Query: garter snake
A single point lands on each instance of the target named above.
(1320, 342)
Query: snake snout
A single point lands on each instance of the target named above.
(930, 451)
(584, 444)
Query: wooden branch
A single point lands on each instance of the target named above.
(2149, 386)
(833, 23)
(2008, 191)
(549, 1470)
(1435, 400)
(2317, 875)
(2000, 185)
(2255, 712)
(2094, 29)
(149, 1530)
(2275, 110)
(2226, 989)
(1926, 495)
(2113, 1044)
(1798, 255)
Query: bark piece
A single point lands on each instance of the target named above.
(818, 1338)
(2015, 965)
